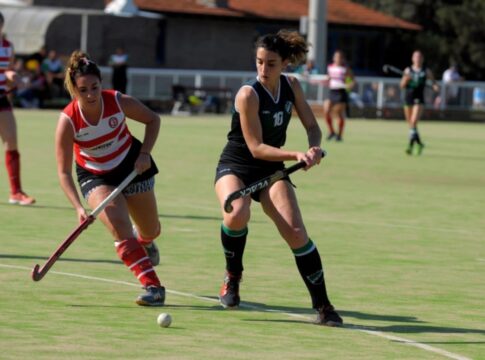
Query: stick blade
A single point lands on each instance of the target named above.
(36, 275)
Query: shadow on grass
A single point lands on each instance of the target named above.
(29, 257)
(411, 325)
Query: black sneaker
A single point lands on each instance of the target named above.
(152, 249)
(331, 136)
(154, 296)
(339, 138)
(229, 294)
(328, 316)
(409, 150)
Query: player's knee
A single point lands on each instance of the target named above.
(238, 218)
(149, 234)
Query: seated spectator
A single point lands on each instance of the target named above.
(54, 73)
(31, 93)
(451, 76)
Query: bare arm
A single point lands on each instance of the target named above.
(309, 122)
(135, 110)
(430, 76)
(64, 143)
(247, 104)
(406, 77)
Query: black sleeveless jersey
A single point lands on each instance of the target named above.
(274, 115)
(418, 80)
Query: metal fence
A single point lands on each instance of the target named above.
(375, 92)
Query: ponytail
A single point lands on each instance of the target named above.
(290, 45)
(79, 64)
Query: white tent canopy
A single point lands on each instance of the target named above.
(26, 26)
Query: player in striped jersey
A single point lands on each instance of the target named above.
(8, 127)
(93, 127)
(341, 79)
(262, 112)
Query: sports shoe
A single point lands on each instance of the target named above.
(339, 138)
(331, 136)
(409, 150)
(21, 198)
(420, 148)
(151, 249)
(229, 294)
(154, 296)
(328, 316)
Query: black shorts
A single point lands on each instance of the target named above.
(141, 183)
(413, 97)
(249, 174)
(337, 96)
(5, 104)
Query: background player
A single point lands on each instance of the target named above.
(341, 79)
(414, 81)
(94, 125)
(262, 112)
(8, 127)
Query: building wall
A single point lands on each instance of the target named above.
(106, 33)
(212, 43)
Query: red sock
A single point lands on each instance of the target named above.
(328, 118)
(341, 125)
(12, 163)
(147, 241)
(135, 257)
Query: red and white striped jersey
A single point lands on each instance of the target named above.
(6, 52)
(100, 148)
(337, 75)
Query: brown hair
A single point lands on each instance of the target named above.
(290, 45)
(79, 64)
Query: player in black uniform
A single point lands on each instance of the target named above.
(414, 81)
(258, 131)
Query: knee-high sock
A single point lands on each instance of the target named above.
(135, 258)
(311, 270)
(233, 243)
(12, 163)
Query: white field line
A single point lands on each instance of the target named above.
(481, 260)
(405, 341)
(365, 222)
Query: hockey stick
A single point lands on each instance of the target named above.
(39, 272)
(263, 183)
(392, 69)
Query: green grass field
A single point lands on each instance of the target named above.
(402, 240)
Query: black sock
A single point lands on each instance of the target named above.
(412, 137)
(418, 138)
(310, 266)
(233, 243)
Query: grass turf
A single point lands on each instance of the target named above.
(401, 238)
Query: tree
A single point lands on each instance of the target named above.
(453, 31)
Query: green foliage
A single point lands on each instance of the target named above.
(453, 31)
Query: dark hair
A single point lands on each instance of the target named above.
(2, 19)
(79, 64)
(290, 45)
